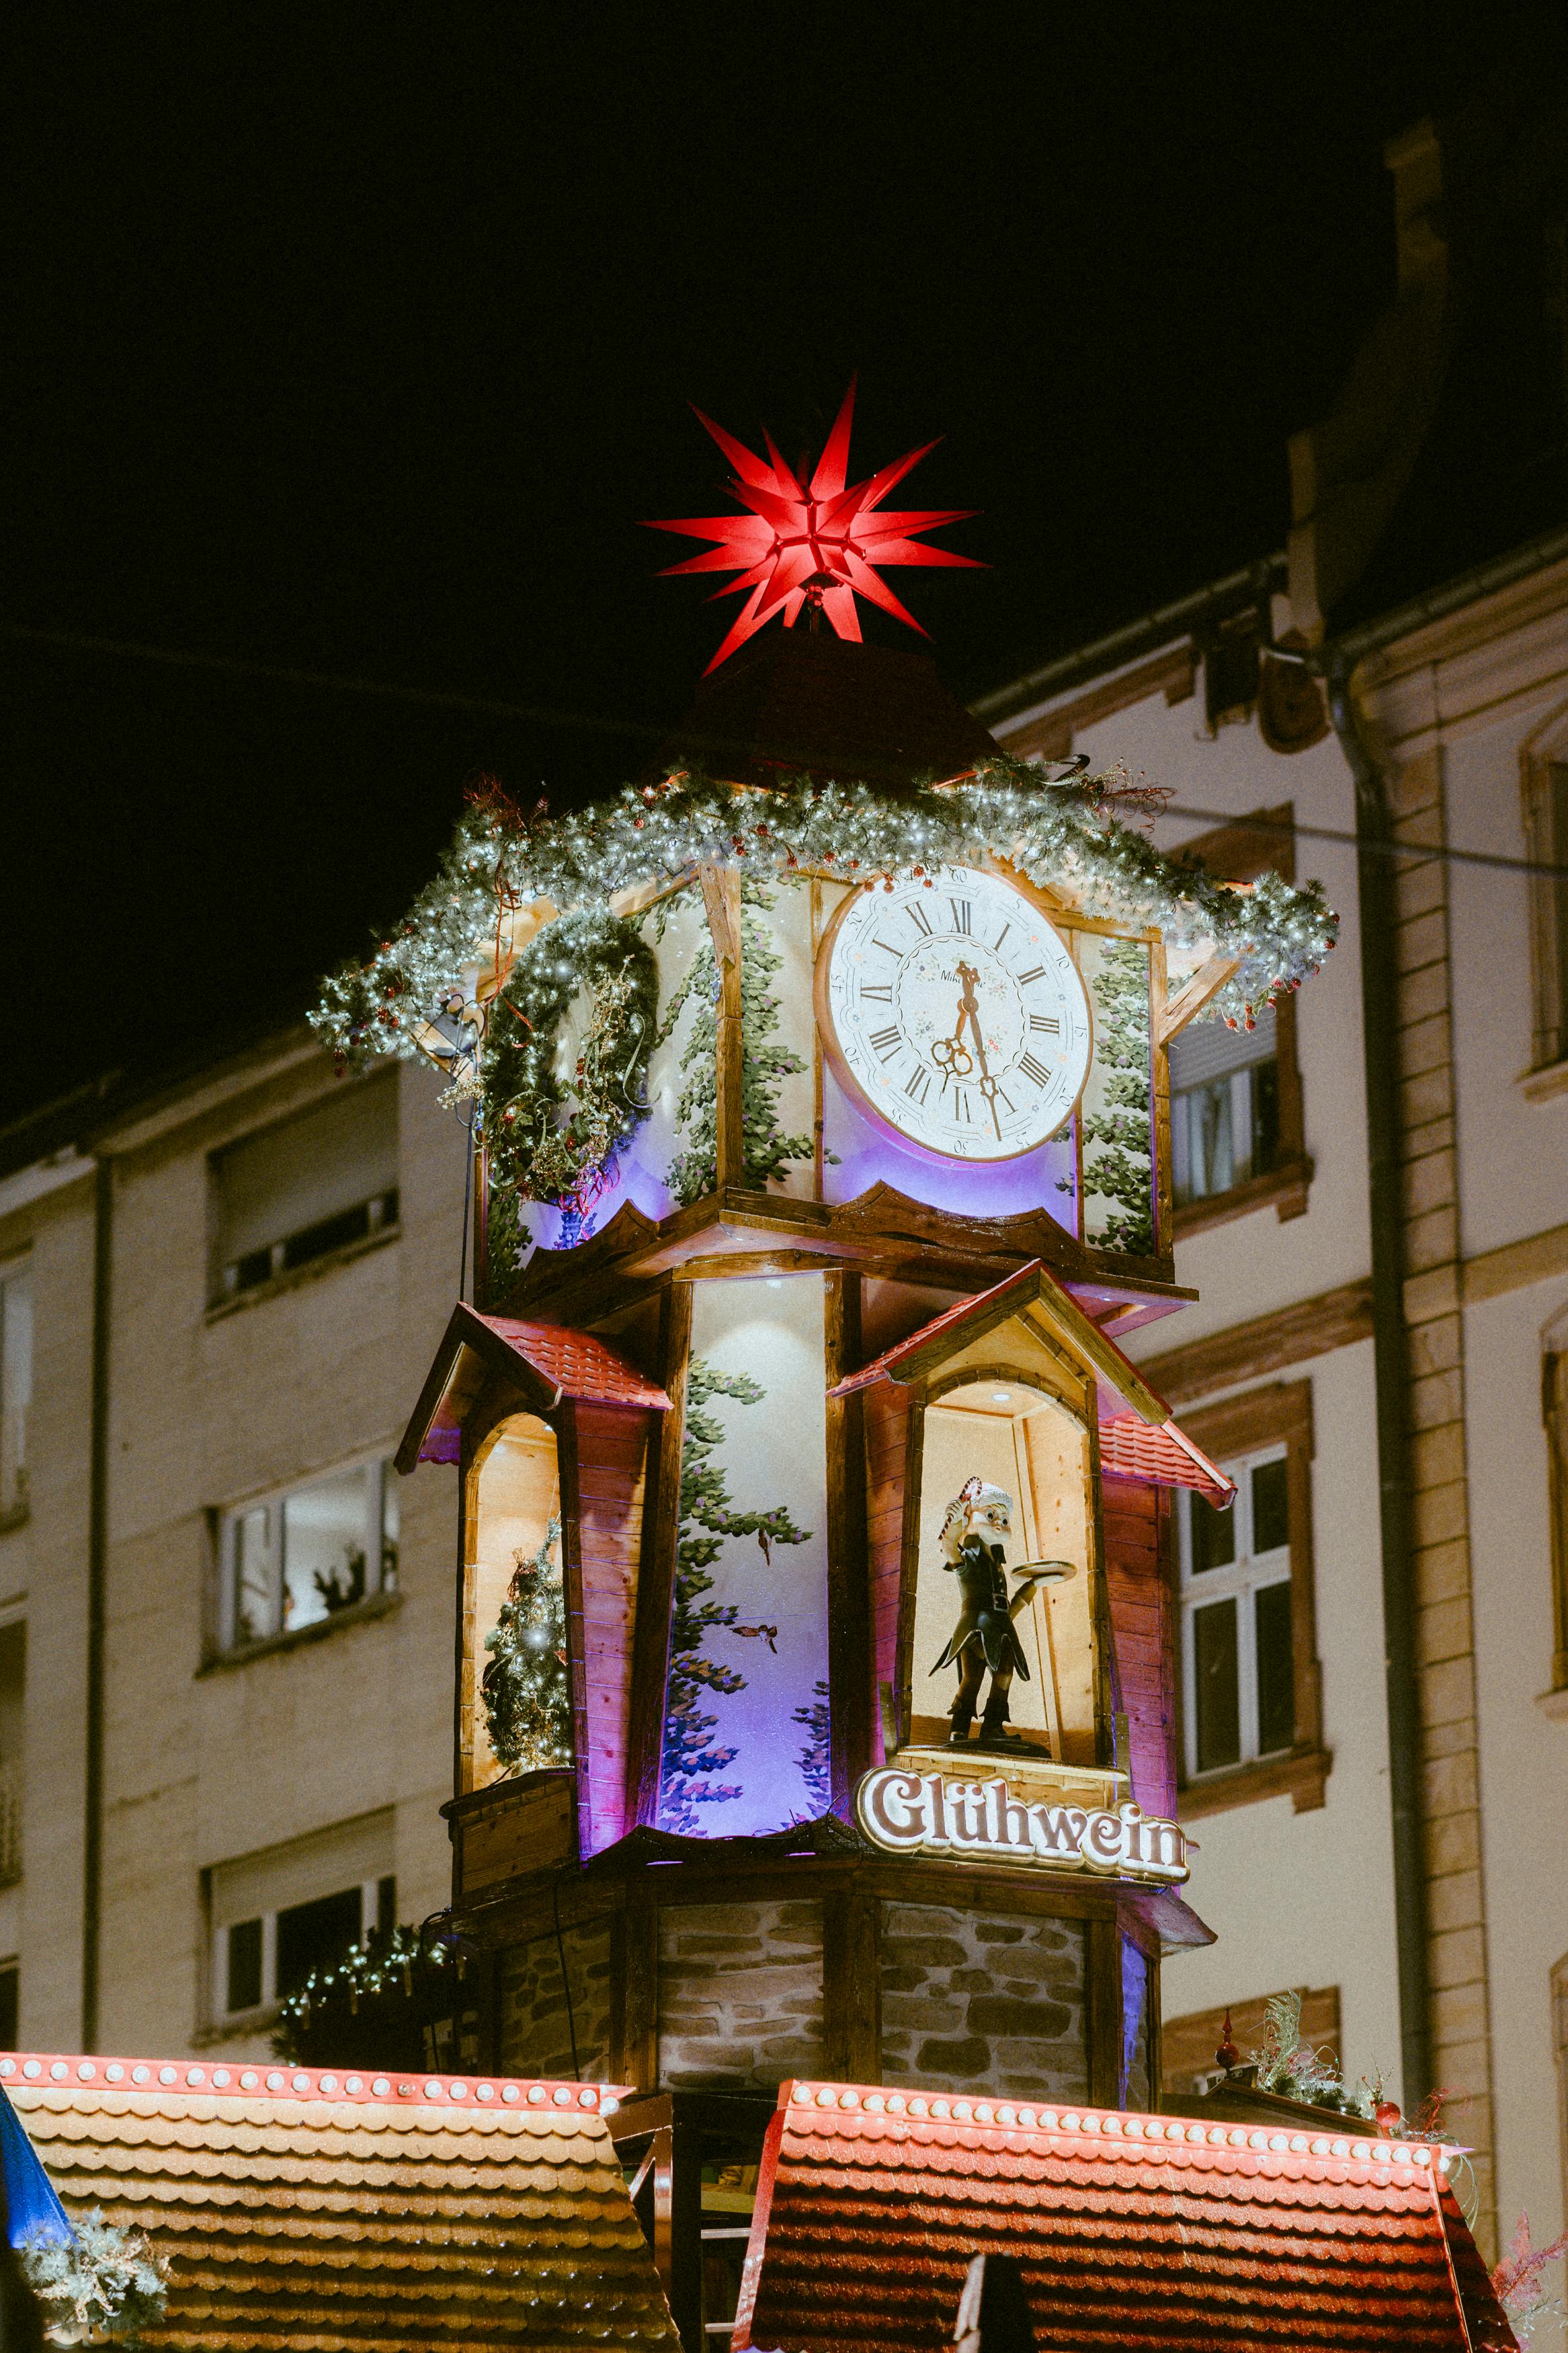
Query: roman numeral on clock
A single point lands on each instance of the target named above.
(960, 915)
(1035, 1070)
(918, 1085)
(1026, 977)
(887, 1042)
(1043, 1021)
(917, 916)
(878, 995)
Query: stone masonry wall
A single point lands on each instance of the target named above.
(983, 2004)
(740, 1994)
(535, 2029)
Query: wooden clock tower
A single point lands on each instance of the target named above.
(804, 1387)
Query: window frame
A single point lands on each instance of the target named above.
(1542, 753)
(1279, 1416)
(15, 1275)
(1240, 1580)
(226, 2022)
(1261, 843)
(1555, 1419)
(228, 1646)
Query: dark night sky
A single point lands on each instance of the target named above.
(358, 338)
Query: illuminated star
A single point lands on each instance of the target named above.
(819, 546)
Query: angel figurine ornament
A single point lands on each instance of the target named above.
(974, 1530)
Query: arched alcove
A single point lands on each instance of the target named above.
(1003, 1426)
(514, 1496)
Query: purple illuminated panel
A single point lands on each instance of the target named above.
(865, 1154)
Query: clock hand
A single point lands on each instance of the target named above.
(969, 978)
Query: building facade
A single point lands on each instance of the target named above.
(1374, 1205)
(224, 1628)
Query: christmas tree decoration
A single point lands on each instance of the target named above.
(103, 2283)
(812, 543)
(707, 1518)
(528, 1705)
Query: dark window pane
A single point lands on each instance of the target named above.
(1265, 1116)
(387, 1904)
(10, 1988)
(1276, 1669)
(1558, 1013)
(314, 1936)
(244, 1965)
(1219, 1695)
(1270, 1506)
(330, 1234)
(1213, 1533)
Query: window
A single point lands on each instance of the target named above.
(10, 2004)
(1224, 1107)
(16, 1392)
(302, 1191)
(290, 1909)
(13, 1696)
(296, 1560)
(1237, 1135)
(1546, 833)
(1554, 1413)
(1250, 1685)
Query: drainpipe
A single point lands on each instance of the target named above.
(1376, 893)
(97, 1583)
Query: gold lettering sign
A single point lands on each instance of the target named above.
(910, 1812)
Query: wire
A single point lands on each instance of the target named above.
(565, 1979)
(542, 715)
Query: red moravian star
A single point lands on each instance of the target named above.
(819, 545)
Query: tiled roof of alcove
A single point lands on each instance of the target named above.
(547, 1362)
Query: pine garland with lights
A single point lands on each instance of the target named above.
(527, 1701)
(691, 1755)
(1060, 831)
(814, 1753)
(371, 2009)
(1121, 1169)
(534, 1152)
(765, 1151)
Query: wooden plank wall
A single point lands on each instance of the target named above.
(612, 1463)
(886, 1416)
(1140, 1629)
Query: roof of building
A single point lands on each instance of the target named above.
(307, 2208)
(1138, 1438)
(546, 1362)
(1131, 2231)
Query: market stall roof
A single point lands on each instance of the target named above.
(301, 2207)
(1138, 1437)
(1129, 2230)
(545, 1361)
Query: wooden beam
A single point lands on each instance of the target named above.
(565, 1424)
(1191, 998)
(656, 1571)
(721, 897)
(633, 2025)
(852, 1985)
(1102, 2009)
(850, 1674)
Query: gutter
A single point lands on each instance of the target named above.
(97, 1588)
(1188, 615)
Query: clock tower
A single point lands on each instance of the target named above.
(814, 1711)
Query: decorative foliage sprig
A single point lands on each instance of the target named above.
(1059, 830)
(106, 2280)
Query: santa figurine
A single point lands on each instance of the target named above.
(973, 1531)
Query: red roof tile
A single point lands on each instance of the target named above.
(1131, 1447)
(1132, 2231)
(578, 1363)
(547, 1361)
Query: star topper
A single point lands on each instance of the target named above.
(814, 546)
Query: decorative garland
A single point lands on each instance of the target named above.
(1117, 1133)
(370, 2009)
(105, 2280)
(1060, 831)
(533, 1152)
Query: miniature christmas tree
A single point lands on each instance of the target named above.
(528, 1702)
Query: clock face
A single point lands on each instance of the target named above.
(956, 1013)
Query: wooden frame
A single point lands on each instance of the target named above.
(1282, 1413)
(1544, 751)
